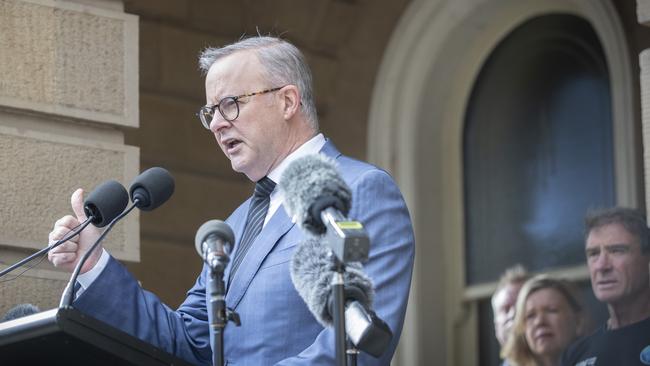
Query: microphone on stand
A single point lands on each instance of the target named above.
(107, 201)
(318, 200)
(312, 269)
(149, 190)
(213, 242)
(334, 288)
(152, 188)
(101, 206)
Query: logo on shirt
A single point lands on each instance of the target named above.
(588, 362)
(645, 356)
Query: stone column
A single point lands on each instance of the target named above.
(68, 90)
(643, 17)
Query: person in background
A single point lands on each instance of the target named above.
(548, 317)
(503, 301)
(618, 254)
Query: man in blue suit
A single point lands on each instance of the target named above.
(261, 111)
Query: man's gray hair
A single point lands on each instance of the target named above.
(515, 275)
(631, 219)
(283, 63)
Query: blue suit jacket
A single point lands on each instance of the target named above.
(277, 327)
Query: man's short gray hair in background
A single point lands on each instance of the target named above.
(631, 219)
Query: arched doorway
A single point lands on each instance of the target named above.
(416, 131)
(538, 153)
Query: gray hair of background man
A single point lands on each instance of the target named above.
(632, 220)
(516, 274)
(283, 62)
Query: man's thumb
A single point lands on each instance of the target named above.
(77, 202)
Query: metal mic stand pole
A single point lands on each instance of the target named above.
(220, 313)
(353, 353)
(339, 311)
(218, 308)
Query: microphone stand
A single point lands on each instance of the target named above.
(70, 235)
(338, 317)
(220, 313)
(352, 353)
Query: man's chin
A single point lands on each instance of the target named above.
(607, 296)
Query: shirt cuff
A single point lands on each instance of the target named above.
(86, 279)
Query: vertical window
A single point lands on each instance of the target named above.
(538, 151)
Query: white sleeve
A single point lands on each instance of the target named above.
(86, 279)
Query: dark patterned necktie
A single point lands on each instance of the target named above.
(254, 221)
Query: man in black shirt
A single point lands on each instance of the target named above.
(618, 255)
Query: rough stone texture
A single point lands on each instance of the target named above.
(105, 4)
(643, 12)
(644, 64)
(176, 10)
(40, 171)
(67, 59)
(38, 287)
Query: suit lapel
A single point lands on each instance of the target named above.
(263, 244)
(279, 224)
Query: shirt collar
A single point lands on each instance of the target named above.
(312, 146)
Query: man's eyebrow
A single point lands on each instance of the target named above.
(618, 246)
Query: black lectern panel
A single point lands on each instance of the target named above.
(68, 337)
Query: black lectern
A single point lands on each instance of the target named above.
(65, 336)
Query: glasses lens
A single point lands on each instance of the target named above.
(205, 115)
(229, 108)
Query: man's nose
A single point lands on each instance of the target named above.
(218, 123)
(603, 262)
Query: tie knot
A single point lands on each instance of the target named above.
(264, 187)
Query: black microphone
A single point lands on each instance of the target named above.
(312, 269)
(149, 190)
(213, 242)
(152, 188)
(104, 203)
(101, 206)
(318, 200)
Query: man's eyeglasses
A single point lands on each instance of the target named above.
(228, 107)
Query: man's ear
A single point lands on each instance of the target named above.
(290, 101)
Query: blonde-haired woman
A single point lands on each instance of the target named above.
(548, 317)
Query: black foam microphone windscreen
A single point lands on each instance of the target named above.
(106, 202)
(310, 184)
(152, 188)
(312, 269)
